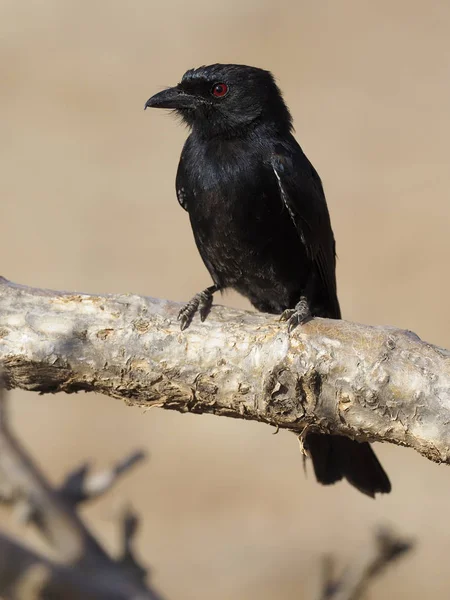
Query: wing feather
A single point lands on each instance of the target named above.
(182, 184)
(302, 194)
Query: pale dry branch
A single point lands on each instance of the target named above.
(369, 383)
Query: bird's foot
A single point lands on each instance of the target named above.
(201, 302)
(297, 316)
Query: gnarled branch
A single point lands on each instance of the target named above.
(369, 383)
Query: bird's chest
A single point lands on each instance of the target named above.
(240, 224)
(231, 196)
(234, 211)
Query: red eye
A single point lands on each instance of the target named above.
(219, 90)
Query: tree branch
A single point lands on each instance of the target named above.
(84, 570)
(27, 575)
(80, 485)
(369, 383)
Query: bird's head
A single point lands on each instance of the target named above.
(225, 100)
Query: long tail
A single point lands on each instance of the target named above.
(336, 457)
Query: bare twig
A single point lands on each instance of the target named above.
(80, 485)
(369, 383)
(386, 547)
(130, 526)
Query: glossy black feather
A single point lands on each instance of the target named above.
(336, 457)
(260, 219)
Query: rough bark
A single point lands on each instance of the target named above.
(369, 383)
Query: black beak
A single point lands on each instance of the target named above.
(171, 98)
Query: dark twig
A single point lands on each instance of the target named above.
(129, 529)
(87, 571)
(351, 585)
(80, 485)
(27, 575)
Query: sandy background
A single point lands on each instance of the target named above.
(88, 204)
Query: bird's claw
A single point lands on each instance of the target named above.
(201, 302)
(205, 304)
(297, 316)
(187, 313)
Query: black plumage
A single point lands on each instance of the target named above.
(260, 221)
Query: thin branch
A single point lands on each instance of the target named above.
(386, 548)
(80, 485)
(129, 528)
(369, 383)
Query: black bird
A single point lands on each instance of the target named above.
(260, 221)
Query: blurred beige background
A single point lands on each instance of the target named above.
(88, 204)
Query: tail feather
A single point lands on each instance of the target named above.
(336, 457)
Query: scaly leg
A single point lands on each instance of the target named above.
(201, 302)
(297, 316)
